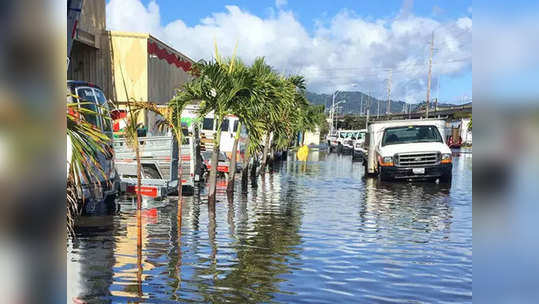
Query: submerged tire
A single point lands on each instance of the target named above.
(365, 169)
(383, 177)
(446, 178)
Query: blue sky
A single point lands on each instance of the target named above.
(309, 11)
(339, 44)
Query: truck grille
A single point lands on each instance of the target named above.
(417, 159)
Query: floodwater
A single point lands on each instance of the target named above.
(313, 233)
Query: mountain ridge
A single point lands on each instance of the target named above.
(355, 99)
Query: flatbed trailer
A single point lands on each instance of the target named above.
(159, 162)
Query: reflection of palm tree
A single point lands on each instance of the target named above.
(175, 256)
(261, 259)
(212, 227)
(230, 214)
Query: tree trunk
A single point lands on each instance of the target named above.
(232, 167)
(139, 175)
(254, 183)
(245, 168)
(214, 163)
(265, 155)
(180, 164)
(271, 159)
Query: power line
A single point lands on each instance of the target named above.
(399, 69)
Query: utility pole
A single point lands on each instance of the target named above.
(378, 111)
(361, 106)
(332, 113)
(388, 109)
(437, 97)
(430, 73)
(368, 110)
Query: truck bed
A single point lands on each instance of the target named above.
(159, 161)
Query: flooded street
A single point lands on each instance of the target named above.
(311, 233)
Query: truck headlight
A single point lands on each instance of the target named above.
(446, 158)
(386, 161)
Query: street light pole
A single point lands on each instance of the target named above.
(333, 111)
(335, 107)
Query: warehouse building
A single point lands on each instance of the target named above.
(127, 66)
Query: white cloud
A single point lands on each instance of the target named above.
(281, 3)
(348, 53)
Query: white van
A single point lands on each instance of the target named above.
(408, 149)
(228, 132)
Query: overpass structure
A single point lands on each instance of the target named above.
(442, 113)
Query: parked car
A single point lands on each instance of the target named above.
(358, 152)
(408, 149)
(105, 186)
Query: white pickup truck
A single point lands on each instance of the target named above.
(358, 152)
(408, 149)
(346, 139)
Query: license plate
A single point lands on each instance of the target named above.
(418, 170)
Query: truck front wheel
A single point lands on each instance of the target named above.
(446, 178)
(384, 177)
(365, 168)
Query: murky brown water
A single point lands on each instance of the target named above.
(314, 233)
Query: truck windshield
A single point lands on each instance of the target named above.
(411, 134)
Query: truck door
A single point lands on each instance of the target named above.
(227, 136)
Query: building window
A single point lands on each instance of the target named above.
(224, 125)
(207, 124)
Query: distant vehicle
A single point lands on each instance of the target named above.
(408, 149)
(333, 141)
(91, 97)
(223, 165)
(359, 151)
(346, 139)
(342, 141)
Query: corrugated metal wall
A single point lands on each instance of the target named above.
(164, 78)
(87, 63)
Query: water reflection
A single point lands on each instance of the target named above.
(311, 232)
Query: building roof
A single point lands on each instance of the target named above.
(154, 39)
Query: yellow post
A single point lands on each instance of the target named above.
(303, 153)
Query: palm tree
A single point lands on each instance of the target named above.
(247, 109)
(171, 119)
(85, 144)
(131, 139)
(284, 107)
(219, 85)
